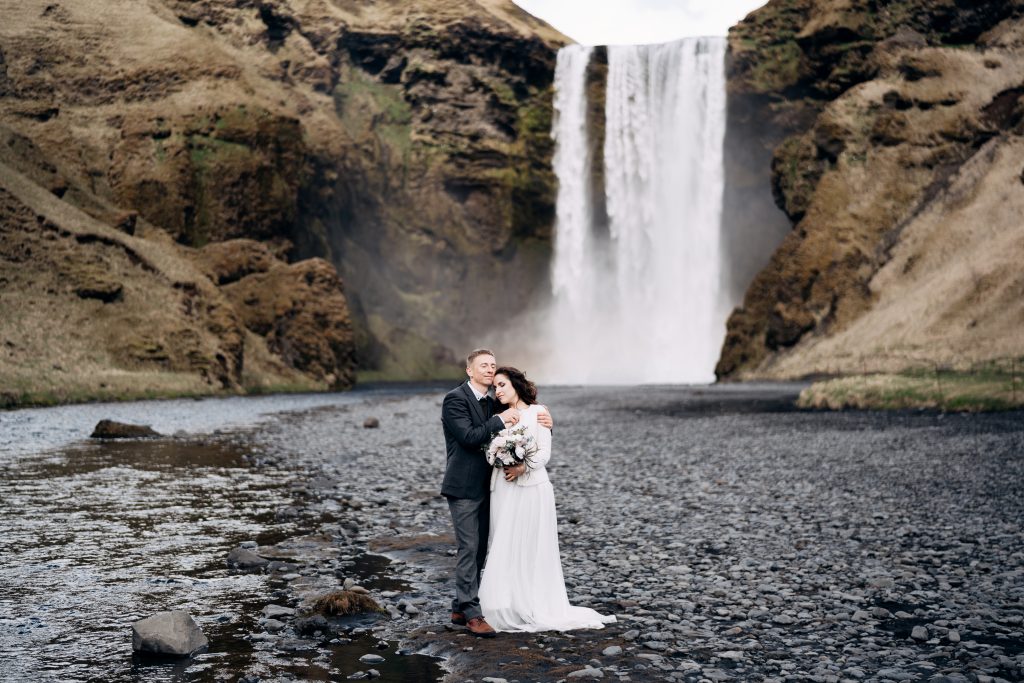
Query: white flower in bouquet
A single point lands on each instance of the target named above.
(512, 446)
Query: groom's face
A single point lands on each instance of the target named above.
(481, 370)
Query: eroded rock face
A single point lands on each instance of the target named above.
(87, 311)
(215, 172)
(301, 311)
(876, 117)
(408, 144)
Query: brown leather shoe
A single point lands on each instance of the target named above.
(480, 628)
(458, 618)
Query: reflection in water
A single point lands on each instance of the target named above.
(103, 534)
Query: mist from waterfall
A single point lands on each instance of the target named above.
(639, 300)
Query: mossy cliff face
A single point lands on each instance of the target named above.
(441, 215)
(406, 144)
(212, 174)
(893, 128)
(425, 161)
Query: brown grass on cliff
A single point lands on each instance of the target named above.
(905, 193)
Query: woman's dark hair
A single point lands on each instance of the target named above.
(525, 389)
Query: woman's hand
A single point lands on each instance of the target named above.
(513, 473)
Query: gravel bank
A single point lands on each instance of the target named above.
(734, 538)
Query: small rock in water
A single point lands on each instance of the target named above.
(172, 633)
(371, 659)
(275, 611)
(273, 625)
(108, 429)
(240, 558)
(371, 423)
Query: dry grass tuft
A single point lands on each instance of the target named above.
(345, 603)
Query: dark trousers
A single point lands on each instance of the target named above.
(471, 518)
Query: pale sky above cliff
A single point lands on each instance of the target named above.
(619, 22)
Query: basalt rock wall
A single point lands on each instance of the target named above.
(890, 135)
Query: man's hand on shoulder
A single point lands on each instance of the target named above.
(544, 418)
(509, 417)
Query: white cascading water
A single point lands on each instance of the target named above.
(643, 304)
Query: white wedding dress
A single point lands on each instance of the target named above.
(522, 588)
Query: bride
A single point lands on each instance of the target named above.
(522, 588)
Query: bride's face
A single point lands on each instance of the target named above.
(503, 390)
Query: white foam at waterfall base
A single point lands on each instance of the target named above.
(644, 302)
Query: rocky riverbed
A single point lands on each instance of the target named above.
(734, 538)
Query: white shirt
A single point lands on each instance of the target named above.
(475, 392)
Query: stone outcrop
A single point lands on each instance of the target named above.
(407, 144)
(301, 311)
(895, 132)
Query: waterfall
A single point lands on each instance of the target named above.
(640, 300)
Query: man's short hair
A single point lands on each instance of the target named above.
(478, 352)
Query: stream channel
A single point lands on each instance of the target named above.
(98, 534)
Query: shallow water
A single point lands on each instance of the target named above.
(34, 430)
(99, 534)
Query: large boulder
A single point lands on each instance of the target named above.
(174, 634)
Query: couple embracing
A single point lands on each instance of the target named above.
(504, 516)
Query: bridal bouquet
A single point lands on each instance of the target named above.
(511, 447)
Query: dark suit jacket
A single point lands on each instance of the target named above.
(466, 431)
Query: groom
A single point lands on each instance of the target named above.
(470, 418)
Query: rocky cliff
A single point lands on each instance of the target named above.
(896, 132)
(405, 144)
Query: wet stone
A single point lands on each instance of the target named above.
(246, 560)
(173, 633)
(276, 611)
(273, 625)
(371, 659)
